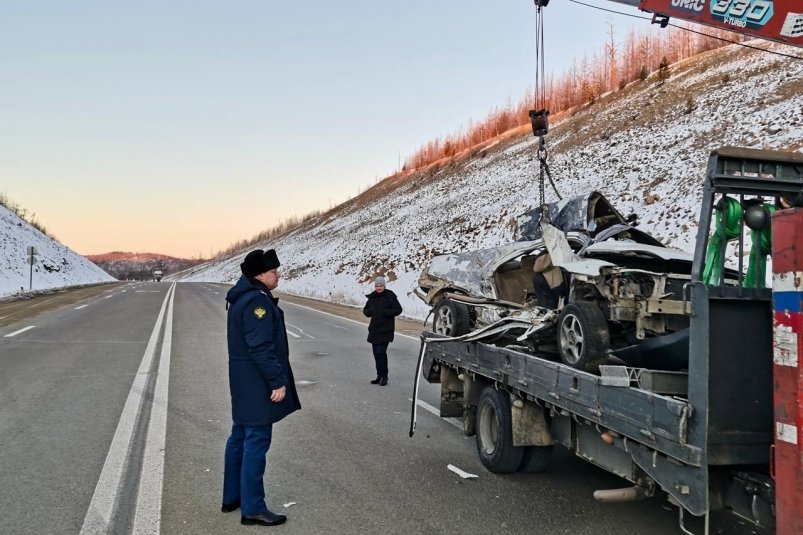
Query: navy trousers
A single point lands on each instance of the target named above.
(245, 467)
(381, 358)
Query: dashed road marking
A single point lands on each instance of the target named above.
(429, 408)
(80, 307)
(299, 329)
(294, 335)
(346, 319)
(15, 333)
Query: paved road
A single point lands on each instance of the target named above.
(87, 441)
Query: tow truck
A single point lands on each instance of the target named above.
(722, 440)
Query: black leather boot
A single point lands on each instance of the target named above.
(265, 519)
(383, 380)
(377, 381)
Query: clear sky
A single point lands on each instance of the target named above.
(179, 126)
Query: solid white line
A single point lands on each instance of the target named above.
(107, 297)
(148, 514)
(99, 514)
(80, 307)
(335, 326)
(429, 408)
(294, 335)
(15, 333)
(345, 319)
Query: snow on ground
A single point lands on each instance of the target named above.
(57, 265)
(645, 148)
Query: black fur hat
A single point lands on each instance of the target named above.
(259, 261)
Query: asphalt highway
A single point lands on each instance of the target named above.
(114, 412)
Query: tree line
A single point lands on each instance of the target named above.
(26, 215)
(584, 82)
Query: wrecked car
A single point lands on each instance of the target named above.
(623, 289)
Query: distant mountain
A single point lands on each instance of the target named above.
(645, 147)
(56, 265)
(140, 266)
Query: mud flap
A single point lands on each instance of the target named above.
(416, 384)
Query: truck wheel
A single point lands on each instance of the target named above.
(583, 337)
(494, 433)
(535, 459)
(451, 318)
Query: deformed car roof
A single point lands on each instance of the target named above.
(589, 214)
(467, 270)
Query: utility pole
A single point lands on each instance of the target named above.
(32, 252)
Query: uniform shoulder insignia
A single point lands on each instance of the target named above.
(260, 312)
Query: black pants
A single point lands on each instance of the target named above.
(381, 358)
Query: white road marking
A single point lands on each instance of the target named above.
(80, 307)
(429, 408)
(299, 329)
(99, 514)
(345, 319)
(107, 297)
(3, 317)
(335, 326)
(148, 514)
(294, 335)
(124, 291)
(15, 333)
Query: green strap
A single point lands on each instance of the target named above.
(729, 213)
(756, 276)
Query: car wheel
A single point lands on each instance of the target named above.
(583, 337)
(495, 433)
(451, 318)
(535, 459)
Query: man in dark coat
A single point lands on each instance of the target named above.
(262, 387)
(382, 307)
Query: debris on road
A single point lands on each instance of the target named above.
(461, 473)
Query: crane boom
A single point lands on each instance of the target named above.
(775, 20)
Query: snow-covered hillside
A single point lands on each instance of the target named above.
(644, 147)
(57, 265)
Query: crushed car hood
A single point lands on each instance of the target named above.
(624, 247)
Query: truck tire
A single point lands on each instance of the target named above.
(583, 336)
(451, 318)
(494, 433)
(535, 459)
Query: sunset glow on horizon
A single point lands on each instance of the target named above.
(182, 128)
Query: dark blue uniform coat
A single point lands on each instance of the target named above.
(258, 356)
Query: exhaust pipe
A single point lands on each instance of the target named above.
(629, 494)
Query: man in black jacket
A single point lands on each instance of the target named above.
(261, 382)
(382, 307)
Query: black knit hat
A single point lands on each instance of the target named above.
(259, 261)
